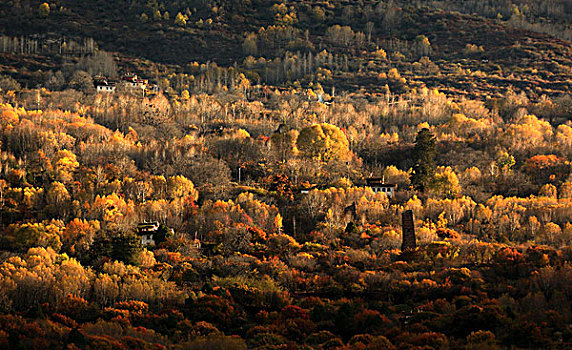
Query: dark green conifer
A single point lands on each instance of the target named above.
(424, 155)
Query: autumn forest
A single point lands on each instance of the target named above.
(204, 174)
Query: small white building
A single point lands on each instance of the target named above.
(105, 88)
(147, 232)
(378, 185)
(104, 85)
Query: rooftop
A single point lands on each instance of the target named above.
(378, 181)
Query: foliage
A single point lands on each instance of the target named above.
(44, 10)
(256, 151)
(324, 142)
(424, 154)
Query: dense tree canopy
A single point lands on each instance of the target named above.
(323, 142)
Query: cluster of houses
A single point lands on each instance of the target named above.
(131, 81)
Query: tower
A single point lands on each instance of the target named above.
(408, 227)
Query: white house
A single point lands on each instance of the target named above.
(104, 85)
(378, 185)
(105, 88)
(147, 232)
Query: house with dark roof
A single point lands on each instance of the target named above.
(147, 231)
(103, 84)
(378, 184)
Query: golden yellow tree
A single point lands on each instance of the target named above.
(324, 142)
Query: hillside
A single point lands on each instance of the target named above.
(463, 54)
(285, 175)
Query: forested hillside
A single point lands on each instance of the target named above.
(230, 200)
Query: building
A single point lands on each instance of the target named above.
(134, 82)
(306, 190)
(408, 226)
(378, 184)
(104, 85)
(147, 231)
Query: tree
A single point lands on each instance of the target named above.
(82, 81)
(249, 46)
(339, 35)
(181, 20)
(380, 342)
(284, 144)
(424, 155)
(66, 163)
(162, 234)
(126, 248)
(8, 83)
(157, 16)
(548, 190)
(31, 235)
(318, 14)
(482, 340)
(58, 199)
(546, 168)
(122, 247)
(504, 161)
(44, 10)
(101, 247)
(100, 63)
(446, 182)
(179, 187)
(423, 45)
(369, 27)
(565, 190)
(324, 142)
(78, 236)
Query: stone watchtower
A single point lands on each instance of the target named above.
(408, 227)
